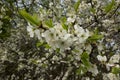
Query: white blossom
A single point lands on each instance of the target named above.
(0, 31)
(57, 37)
(30, 30)
(110, 76)
(102, 58)
(33, 32)
(81, 33)
(94, 70)
(37, 33)
(115, 58)
(70, 20)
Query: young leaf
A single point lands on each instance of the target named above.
(81, 70)
(32, 19)
(49, 23)
(92, 10)
(115, 70)
(76, 5)
(85, 60)
(109, 6)
(95, 37)
(64, 26)
(63, 21)
(38, 44)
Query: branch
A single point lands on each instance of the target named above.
(67, 73)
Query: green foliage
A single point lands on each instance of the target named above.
(49, 23)
(76, 5)
(85, 64)
(38, 44)
(32, 19)
(109, 6)
(47, 46)
(81, 70)
(63, 19)
(64, 26)
(92, 10)
(96, 36)
(115, 70)
(85, 59)
(63, 22)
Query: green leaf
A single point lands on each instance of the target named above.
(64, 26)
(115, 70)
(44, 65)
(81, 70)
(49, 23)
(109, 6)
(84, 55)
(85, 60)
(63, 22)
(34, 61)
(92, 10)
(76, 5)
(95, 37)
(63, 19)
(47, 46)
(38, 44)
(32, 19)
(57, 50)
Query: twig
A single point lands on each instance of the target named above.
(67, 73)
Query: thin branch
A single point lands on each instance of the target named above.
(67, 73)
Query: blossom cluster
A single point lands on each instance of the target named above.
(58, 37)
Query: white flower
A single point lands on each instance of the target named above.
(55, 58)
(107, 22)
(102, 58)
(37, 33)
(88, 48)
(50, 4)
(50, 37)
(77, 52)
(115, 58)
(81, 33)
(87, 78)
(100, 46)
(33, 32)
(59, 30)
(94, 70)
(64, 43)
(70, 20)
(30, 30)
(0, 31)
(78, 49)
(112, 76)
(57, 37)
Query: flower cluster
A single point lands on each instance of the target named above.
(59, 38)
